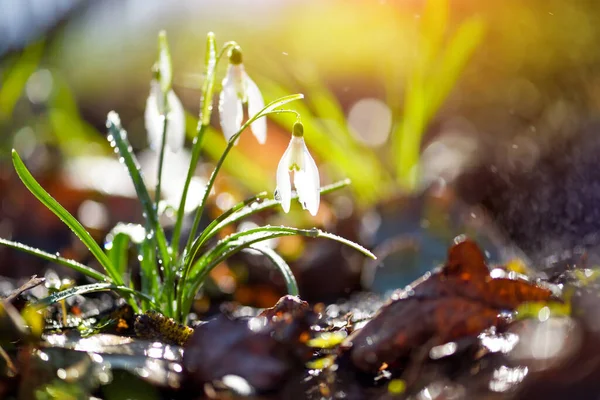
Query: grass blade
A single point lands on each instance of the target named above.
(43, 196)
(84, 269)
(117, 252)
(91, 288)
(150, 279)
(118, 138)
(210, 230)
(279, 262)
(457, 53)
(241, 240)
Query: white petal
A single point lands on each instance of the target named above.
(153, 120)
(176, 124)
(307, 183)
(164, 66)
(296, 148)
(284, 186)
(255, 104)
(231, 112)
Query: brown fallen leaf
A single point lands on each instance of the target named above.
(460, 300)
(265, 351)
(288, 304)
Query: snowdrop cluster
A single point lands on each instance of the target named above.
(170, 276)
(238, 90)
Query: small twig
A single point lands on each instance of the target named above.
(30, 284)
(9, 364)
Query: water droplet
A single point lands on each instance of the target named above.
(314, 232)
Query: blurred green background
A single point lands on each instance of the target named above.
(377, 75)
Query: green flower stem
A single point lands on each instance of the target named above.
(196, 148)
(161, 157)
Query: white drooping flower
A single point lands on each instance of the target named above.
(239, 89)
(297, 160)
(154, 118)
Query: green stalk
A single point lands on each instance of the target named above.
(203, 122)
(161, 157)
(196, 148)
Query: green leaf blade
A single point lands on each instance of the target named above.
(84, 269)
(91, 288)
(118, 139)
(246, 211)
(241, 240)
(284, 268)
(36, 189)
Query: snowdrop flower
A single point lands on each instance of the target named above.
(239, 89)
(156, 109)
(298, 160)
